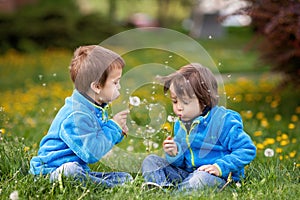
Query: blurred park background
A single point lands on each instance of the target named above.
(255, 45)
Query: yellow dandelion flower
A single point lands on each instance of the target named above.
(280, 157)
(284, 142)
(292, 154)
(249, 97)
(277, 117)
(260, 146)
(248, 114)
(269, 141)
(260, 115)
(294, 118)
(26, 149)
(294, 140)
(298, 165)
(278, 138)
(274, 104)
(286, 157)
(284, 136)
(167, 126)
(269, 99)
(298, 109)
(291, 126)
(278, 150)
(257, 133)
(264, 123)
(2, 130)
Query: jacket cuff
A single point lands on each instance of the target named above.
(172, 159)
(219, 168)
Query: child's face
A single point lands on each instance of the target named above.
(187, 108)
(110, 90)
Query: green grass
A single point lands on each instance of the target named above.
(33, 88)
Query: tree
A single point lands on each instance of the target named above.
(277, 22)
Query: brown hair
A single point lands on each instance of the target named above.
(93, 63)
(193, 79)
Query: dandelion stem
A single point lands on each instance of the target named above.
(229, 180)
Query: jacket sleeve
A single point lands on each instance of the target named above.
(88, 139)
(178, 159)
(238, 143)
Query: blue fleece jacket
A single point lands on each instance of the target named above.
(217, 138)
(81, 132)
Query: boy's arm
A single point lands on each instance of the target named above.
(239, 143)
(87, 139)
(178, 159)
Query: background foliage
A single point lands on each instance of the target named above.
(277, 25)
(53, 24)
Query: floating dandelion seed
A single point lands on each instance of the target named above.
(219, 64)
(170, 56)
(210, 37)
(134, 101)
(166, 62)
(229, 75)
(40, 76)
(269, 152)
(130, 148)
(54, 74)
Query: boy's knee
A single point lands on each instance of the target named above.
(67, 169)
(149, 161)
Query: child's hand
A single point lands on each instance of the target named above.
(121, 119)
(210, 169)
(170, 146)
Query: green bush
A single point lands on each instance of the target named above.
(52, 24)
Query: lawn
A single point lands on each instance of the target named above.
(33, 88)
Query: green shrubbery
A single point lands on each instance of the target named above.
(52, 24)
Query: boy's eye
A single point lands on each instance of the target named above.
(185, 102)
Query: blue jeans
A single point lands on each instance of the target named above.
(106, 179)
(158, 170)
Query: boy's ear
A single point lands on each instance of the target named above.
(96, 87)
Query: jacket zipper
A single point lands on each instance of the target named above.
(188, 142)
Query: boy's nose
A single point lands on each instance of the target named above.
(179, 106)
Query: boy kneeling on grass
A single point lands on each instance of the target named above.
(81, 132)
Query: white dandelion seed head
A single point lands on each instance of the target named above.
(14, 195)
(171, 118)
(134, 101)
(269, 152)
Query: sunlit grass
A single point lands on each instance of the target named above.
(30, 100)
